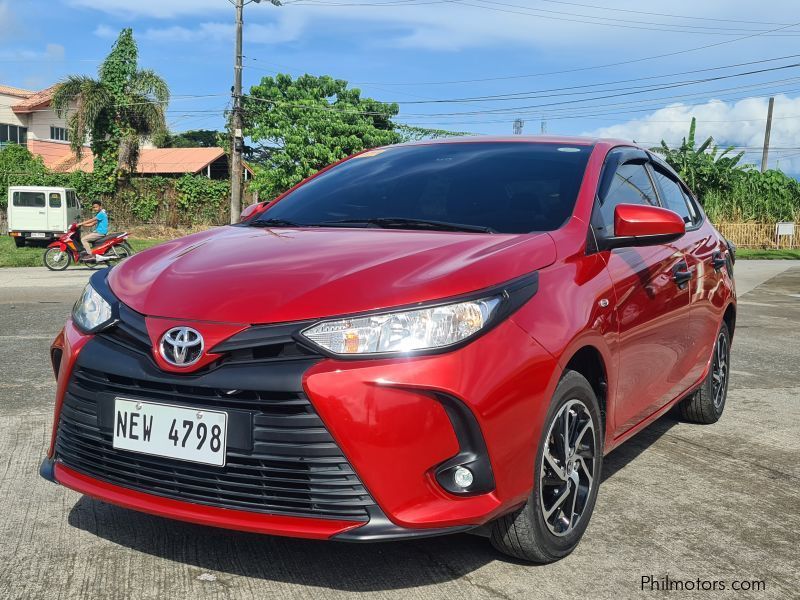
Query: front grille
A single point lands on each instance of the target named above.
(290, 464)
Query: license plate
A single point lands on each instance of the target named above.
(190, 434)
(37, 235)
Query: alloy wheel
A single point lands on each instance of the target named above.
(568, 465)
(719, 370)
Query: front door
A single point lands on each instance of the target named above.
(651, 309)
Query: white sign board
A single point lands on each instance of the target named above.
(782, 229)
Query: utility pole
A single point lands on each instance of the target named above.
(767, 132)
(236, 121)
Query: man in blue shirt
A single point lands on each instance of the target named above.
(100, 223)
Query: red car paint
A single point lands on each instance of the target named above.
(654, 338)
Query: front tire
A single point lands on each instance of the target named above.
(567, 475)
(705, 406)
(56, 260)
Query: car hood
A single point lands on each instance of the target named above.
(256, 275)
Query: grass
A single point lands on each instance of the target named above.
(783, 254)
(31, 256)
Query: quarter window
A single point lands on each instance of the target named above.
(55, 200)
(631, 185)
(29, 199)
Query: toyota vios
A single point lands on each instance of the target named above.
(422, 339)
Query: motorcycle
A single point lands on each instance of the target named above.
(67, 249)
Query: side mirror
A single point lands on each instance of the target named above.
(643, 225)
(251, 211)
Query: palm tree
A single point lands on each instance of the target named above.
(116, 111)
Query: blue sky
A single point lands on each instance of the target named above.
(407, 51)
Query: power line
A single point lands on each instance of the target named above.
(611, 22)
(576, 69)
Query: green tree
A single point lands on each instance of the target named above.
(413, 133)
(194, 138)
(117, 110)
(19, 167)
(703, 167)
(300, 126)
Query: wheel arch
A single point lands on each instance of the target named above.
(729, 318)
(589, 362)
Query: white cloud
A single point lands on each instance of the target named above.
(739, 123)
(7, 20)
(452, 26)
(160, 9)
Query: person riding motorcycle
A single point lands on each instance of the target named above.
(100, 223)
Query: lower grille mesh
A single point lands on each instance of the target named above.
(294, 467)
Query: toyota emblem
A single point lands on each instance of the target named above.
(181, 346)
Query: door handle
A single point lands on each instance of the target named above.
(718, 260)
(682, 274)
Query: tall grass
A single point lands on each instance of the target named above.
(754, 196)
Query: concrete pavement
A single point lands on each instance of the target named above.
(712, 502)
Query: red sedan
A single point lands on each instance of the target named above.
(422, 339)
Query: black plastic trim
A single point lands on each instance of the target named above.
(472, 454)
(380, 529)
(48, 469)
(514, 294)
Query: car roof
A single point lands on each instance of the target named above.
(533, 139)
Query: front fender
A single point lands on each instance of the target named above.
(58, 244)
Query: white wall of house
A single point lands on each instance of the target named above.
(39, 124)
(7, 115)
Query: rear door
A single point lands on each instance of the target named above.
(56, 210)
(28, 211)
(700, 247)
(651, 310)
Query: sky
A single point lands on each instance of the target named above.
(620, 68)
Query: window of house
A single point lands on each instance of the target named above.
(13, 134)
(59, 133)
(29, 199)
(55, 200)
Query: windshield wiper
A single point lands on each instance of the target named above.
(404, 223)
(274, 223)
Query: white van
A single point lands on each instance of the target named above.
(39, 213)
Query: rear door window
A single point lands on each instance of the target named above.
(29, 199)
(55, 200)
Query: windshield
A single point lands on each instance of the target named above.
(514, 187)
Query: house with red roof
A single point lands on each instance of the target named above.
(27, 118)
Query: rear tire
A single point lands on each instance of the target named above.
(705, 406)
(56, 260)
(565, 476)
(122, 251)
(19, 242)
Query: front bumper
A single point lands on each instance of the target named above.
(387, 419)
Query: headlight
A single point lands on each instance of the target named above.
(404, 331)
(91, 312)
